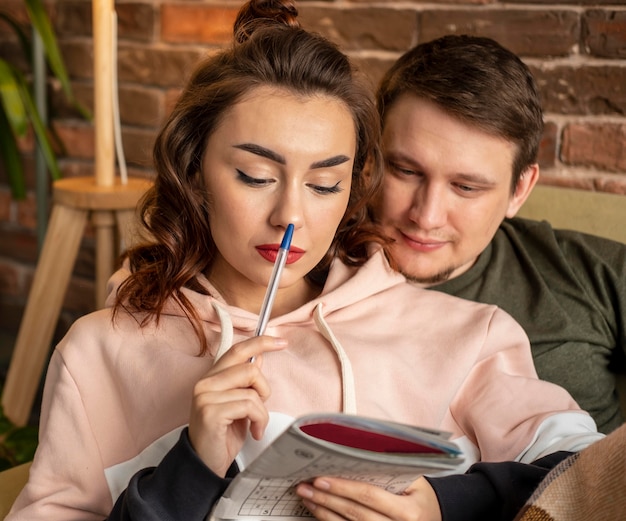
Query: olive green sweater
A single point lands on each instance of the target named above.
(568, 291)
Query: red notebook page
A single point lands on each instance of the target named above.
(366, 440)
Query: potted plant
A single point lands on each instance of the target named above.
(18, 111)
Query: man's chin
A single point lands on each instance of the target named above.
(429, 280)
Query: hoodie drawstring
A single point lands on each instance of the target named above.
(226, 324)
(347, 376)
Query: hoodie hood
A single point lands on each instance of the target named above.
(344, 287)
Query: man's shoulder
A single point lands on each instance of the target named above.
(542, 237)
(521, 247)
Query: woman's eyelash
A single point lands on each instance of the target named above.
(335, 189)
(252, 181)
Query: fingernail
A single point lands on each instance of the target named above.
(280, 342)
(304, 490)
(322, 483)
(309, 505)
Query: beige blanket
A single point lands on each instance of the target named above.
(588, 486)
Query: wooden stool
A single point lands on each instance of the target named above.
(73, 200)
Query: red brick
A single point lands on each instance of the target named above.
(16, 9)
(554, 177)
(582, 88)
(171, 96)
(604, 33)
(138, 145)
(61, 107)
(548, 145)
(372, 28)
(599, 145)
(18, 244)
(135, 21)
(156, 66)
(527, 32)
(612, 184)
(27, 160)
(6, 204)
(189, 23)
(27, 212)
(141, 106)
(578, 2)
(73, 18)
(392, 3)
(77, 138)
(76, 168)
(374, 67)
(78, 57)
(9, 279)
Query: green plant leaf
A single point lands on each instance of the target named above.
(39, 128)
(41, 23)
(11, 99)
(17, 444)
(13, 122)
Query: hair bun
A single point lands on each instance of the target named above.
(255, 14)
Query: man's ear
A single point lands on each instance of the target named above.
(525, 185)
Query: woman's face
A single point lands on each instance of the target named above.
(276, 158)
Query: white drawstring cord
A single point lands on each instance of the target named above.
(347, 376)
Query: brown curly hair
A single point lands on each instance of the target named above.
(270, 48)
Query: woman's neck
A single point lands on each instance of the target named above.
(247, 295)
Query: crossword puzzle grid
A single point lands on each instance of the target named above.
(274, 497)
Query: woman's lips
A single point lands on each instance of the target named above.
(270, 252)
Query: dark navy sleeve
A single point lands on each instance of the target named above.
(180, 488)
(491, 491)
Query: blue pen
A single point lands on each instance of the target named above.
(270, 294)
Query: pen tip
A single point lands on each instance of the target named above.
(287, 237)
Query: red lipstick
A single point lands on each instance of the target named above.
(270, 251)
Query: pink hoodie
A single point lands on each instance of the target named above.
(117, 396)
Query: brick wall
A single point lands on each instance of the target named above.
(576, 50)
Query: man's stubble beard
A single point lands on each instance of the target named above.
(438, 278)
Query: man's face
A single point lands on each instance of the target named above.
(447, 189)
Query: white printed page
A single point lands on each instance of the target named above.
(265, 490)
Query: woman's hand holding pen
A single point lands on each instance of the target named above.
(228, 401)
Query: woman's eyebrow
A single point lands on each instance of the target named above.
(331, 161)
(278, 158)
(262, 151)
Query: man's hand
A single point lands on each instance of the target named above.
(335, 499)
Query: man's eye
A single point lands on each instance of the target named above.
(469, 190)
(251, 181)
(400, 170)
(335, 189)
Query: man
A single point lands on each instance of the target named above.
(462, 123)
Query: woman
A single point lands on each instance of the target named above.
(147, 405)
